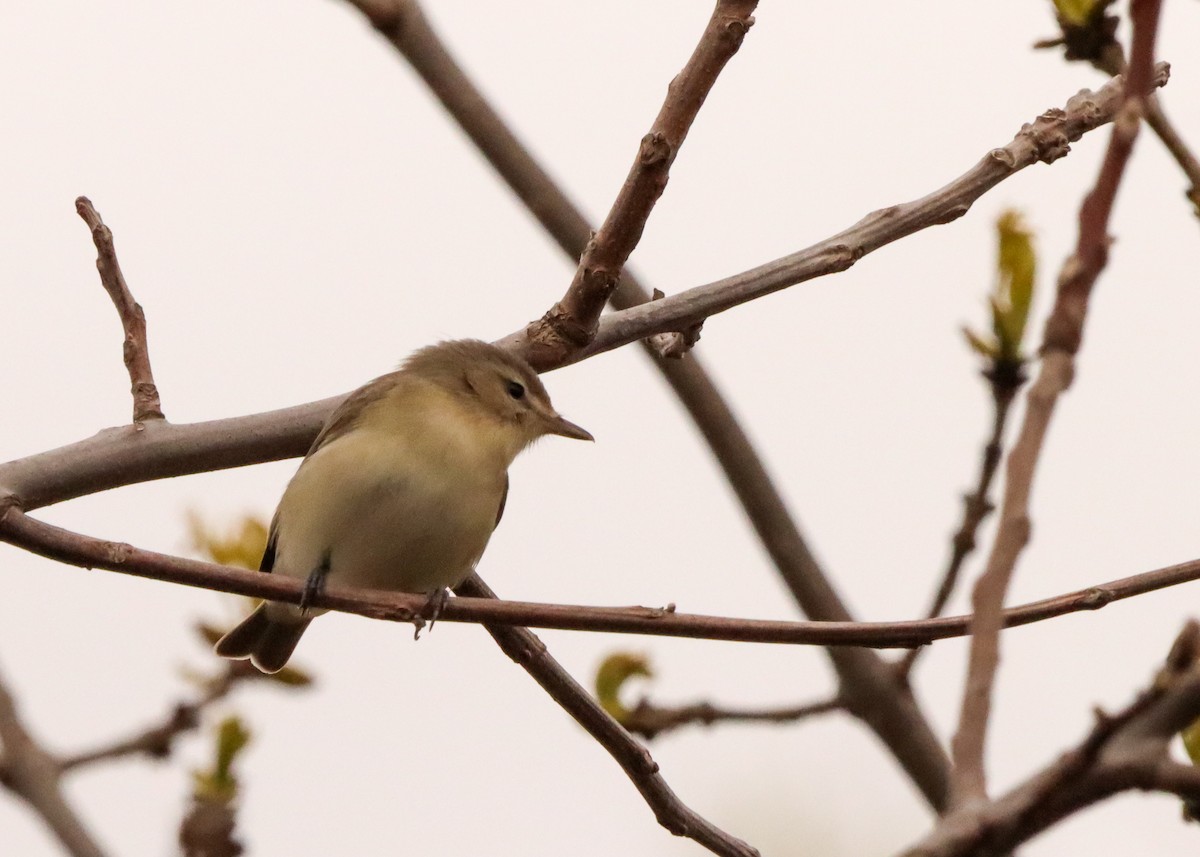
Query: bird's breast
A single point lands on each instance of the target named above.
(388, 513)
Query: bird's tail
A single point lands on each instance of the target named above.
(267, 642)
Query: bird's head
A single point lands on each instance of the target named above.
(496, 387)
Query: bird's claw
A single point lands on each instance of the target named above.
(314, 585)
(431, 610)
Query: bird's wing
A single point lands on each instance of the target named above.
(344, 416)
(503, 500)
(268, 558)
(339, 422)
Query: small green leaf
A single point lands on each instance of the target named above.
(985, 349)
(291, 677)
(611, 676)
(219, 783)
(242, 547)
(208, 633)
(1016, 271)
(1075, 12)
(1191, 741)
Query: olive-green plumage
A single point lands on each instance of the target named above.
(403, 486)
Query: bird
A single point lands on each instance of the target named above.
(402, 487)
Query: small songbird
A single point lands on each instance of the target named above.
(403, 486)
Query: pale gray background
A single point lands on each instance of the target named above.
(295, 214)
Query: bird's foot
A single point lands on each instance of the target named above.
(431, 610)
(314, 585)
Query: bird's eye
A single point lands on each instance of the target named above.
(516, 390)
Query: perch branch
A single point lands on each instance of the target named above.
(74, 549)
(1062, 339)
(146, 405)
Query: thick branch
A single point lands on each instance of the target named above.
(146, 405)
(1127, 750)
(75, 549)
(1062, 339)
(32, 774)
(119, 456)
(530, 653)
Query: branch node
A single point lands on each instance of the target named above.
(1097, 597)
(952, 214)
(843, 256)
(655, 150)
(734, 31)
(1004, 156)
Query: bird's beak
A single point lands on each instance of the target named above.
(557, 425)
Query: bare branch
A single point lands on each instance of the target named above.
(146, 405)
(111, 459)
(156, 741)
(1173, 140)
(1127, 750)
(1062, 339)
(75, 549)
(160, 450)
(32, 774)
(572, 321)
(530, 653)
(651, 720)
(1046, 139)
(1095, 41)
(1004, 379)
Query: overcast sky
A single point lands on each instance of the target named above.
(296, 214)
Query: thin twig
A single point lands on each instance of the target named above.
(75, 549)
(1095, 42)
(1123, 751)
(1062, 340)
(32, 774)
(651, 720)
(146, 405)
(1004, 380)
(530, 653)
(1171, 138)
(156, 741)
